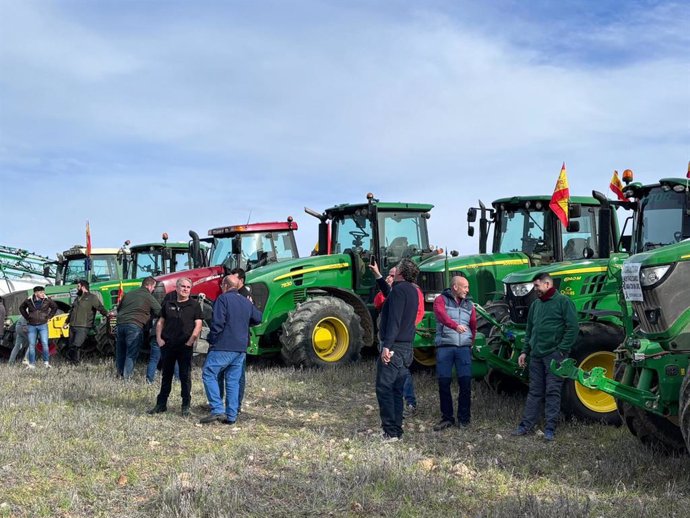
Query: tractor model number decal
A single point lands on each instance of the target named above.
(569, 279)
(286, 284)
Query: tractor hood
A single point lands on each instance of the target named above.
(559, 270)
(469, 262)
(663, 255)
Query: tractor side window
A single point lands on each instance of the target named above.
(181, 261)
(104, 268)
(575, 244)
(283, 246)
(662, 219)
(147, 264)
(353, 233)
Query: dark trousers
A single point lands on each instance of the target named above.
(544, 386)
(461, 359)
(77, 337)
(170, 355)
(390, 380)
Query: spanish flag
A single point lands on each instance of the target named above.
(616, 186)
(561, 197)
(120, 293)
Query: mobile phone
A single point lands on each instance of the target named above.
(372, 259)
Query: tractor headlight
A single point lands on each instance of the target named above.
(521, 289)
(430, 297)
(653, 274)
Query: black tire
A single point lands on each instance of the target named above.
(594, 348)
(338, 328)
(105, 340)
(684, 409)
(499, 310)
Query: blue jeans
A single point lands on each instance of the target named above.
(231, 364)
(128, 339)
(543, 386)
(20, 341)
(461, 359)
(154, 358)
(33, 331)
(243, 381)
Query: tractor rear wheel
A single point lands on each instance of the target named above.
(105, 341)
(423, 358)
(594, 348)
(684, 409)
(654, 431)
(323, 331)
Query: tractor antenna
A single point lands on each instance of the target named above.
(250, 216)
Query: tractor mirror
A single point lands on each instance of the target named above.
(573, 226)
(470, 230)
(471, 215)
(574, 211)
(587, 253)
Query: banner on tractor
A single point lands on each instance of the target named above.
(561, 197)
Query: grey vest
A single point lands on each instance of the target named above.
(447, 337)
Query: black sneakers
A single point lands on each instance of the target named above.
(442, 425)
(212, 418)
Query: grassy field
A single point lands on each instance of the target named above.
(76, 442)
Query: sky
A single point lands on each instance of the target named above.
(151, 116)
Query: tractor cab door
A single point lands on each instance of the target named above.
(354, 236)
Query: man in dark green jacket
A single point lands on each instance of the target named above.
(80, 319)
(551, 332)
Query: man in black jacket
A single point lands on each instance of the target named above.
(397, 333)
(80, 319)
(37, 310)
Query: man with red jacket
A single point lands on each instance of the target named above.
(456, 328)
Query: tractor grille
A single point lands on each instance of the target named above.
(665, 302)
(299, 296)
(259, 294)
(594, 284)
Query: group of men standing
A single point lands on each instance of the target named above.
(551, 332)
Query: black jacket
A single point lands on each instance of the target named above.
(36, 316)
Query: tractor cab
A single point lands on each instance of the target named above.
(153, 259)
(253, 245)
(73, 265)
(376, 231)
(527, 225)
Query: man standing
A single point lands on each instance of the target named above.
(456, 328)
(228, 339)
(177, 329)
(397, 333)
(37, 310)
(551, 332)
(80, 319)
(384, 285)
(133, 312)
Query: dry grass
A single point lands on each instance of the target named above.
(77, 442)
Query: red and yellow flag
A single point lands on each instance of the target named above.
(561, 197)
(617, 186)
(88, 239)
(120, 292)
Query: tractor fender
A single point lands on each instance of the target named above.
(359, 306)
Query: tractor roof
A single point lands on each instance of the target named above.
(272, 226)
(182, 245)
(544, 198)
(80, 251)
(382, 205)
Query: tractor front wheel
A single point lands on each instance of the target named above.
(594, 348)
(321, 332)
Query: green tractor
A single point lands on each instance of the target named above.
(318, 310)
(526, 234)
(651, 384)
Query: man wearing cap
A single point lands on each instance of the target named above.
(37, 310)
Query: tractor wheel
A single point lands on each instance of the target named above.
(684, 409)
(594, 348)
(105, 341)
(424, 358)
(322, 331)
(499, 310)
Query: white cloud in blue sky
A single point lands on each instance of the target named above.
(151, 116)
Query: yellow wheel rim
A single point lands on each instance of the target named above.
(330, 339)
(597, 400)
(425, 356)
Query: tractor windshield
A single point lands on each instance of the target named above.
(151, 262)
(522, 230)
(256, 249)
(663, 213)
(402, 234)
(103, 268)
